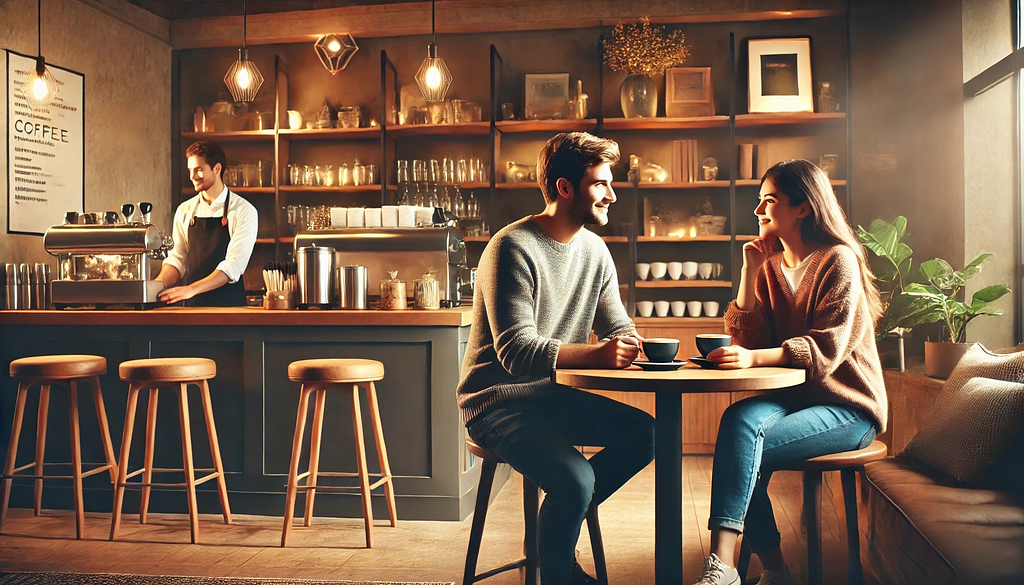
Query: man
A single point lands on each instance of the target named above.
(214, 233)
(543, 283)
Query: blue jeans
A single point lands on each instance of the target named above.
(762, 434)
(536, 436)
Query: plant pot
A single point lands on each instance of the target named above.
(940, 357)
(639, 97)
(891, 352)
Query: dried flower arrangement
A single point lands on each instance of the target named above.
(639, 48)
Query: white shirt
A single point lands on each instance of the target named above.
(796, 274)
(243, 223)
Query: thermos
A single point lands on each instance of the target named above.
(12, 290)
(315, 268)
(353, 282)
(40, 286)
(24, 287)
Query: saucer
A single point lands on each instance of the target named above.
(703, 362)
(659, 366)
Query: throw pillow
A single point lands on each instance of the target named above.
(971, 429)
(979, 362)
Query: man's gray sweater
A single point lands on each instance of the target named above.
(532, 295)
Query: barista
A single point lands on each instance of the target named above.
(214, 233)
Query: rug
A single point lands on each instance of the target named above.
(122, 579)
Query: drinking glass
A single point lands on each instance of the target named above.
(462, 174)
(344, 176)
(403, 172)
(435, 171)
(294, 175)
(327, 175)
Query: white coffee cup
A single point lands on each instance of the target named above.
(642, 270)
(644, 308)
(675, 270)
(661, 308)
(693, 308)
(689, 270)
(704, 269)
(294, 119)
(710, 308)
(658, 270)
(678, 308)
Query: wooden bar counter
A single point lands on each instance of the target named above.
(255, 404)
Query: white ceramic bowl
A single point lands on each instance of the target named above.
(675, 270)
(644, 308)
(661, 308)
(642, 270)
(658, 270)
(693, 308)
(710, 308)
(689, 270)
(678, 308)
(705, 269)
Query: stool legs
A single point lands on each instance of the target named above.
(382, 452)
(476, 533)
(854, 571)
(122, 468)
(42, 416)
(364, 479)
(76, 458)
(293, 467)
(147, 461)
(218, 463)
(597, 544)
(186, 454)
(812, 517)
(314, 452)
(101, 415)
(12, 448)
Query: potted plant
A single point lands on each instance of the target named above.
(641, 50)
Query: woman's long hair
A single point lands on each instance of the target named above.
(802, 180)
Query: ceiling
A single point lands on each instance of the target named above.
(180, 9)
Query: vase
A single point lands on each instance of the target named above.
(940, 357)
(639, 97)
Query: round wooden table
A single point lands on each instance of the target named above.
(669, 388)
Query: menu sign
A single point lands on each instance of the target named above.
(45, 149)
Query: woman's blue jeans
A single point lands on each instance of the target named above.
(766, 433)
(536, 436)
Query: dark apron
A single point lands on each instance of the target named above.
(208, 240)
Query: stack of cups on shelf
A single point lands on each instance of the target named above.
(677, 308)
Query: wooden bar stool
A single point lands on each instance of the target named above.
(48, 371)
(321, 375)
(531, 506)
(848, 463)
(152, 374)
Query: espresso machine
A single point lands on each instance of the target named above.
(106, 264)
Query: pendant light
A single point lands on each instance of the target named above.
(39, 86)
(243, 78)
(433, 76)
(335, 51)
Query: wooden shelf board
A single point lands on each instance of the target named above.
(240, 190)
(332, 134)
(721, 238)
(512, 186)
(477, 238)
(745, 238)
(683, 284)
(239, 136)
(553, 126)
(756, 120)
(757, 182)
(666, 123)
(474, 185)
(702, 321)
(615, 239)
(693, 185)
(345, 189)
(463, 129)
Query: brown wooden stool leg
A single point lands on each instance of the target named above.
(76, 458)
(186, 455)
(597, 544)
(531, 507)
(101, 416)
(12, 448)
(812, 516)
(218, 463)
(364, 479)
(382, 452)
(476, 533)
(122, 461)
(147, 465)
(314, 452)
(293, 466)
(42, 415)
(854, 571)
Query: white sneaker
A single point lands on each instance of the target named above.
(716, 572)
(773, 578)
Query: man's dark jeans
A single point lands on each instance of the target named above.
(537, 435)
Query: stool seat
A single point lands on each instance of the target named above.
(59, 367)
(168, 369)
(335, 370)
(482, 453)
(833, 461)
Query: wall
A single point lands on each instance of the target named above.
(127, 65)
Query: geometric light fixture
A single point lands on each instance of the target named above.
(243, 77)
(433, 76)
(335, 51)
(39, 86)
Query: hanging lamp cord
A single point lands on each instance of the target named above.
(433, 31)
(243, 23)
(39, 28)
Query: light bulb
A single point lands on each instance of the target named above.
(334, 46)
(39, 89)
(433, 78)
(243, 78)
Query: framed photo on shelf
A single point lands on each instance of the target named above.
(688, 92)
(780, 75)
(546, 96)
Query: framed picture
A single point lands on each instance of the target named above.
(780, 75)
(688, 92)
(546, 96)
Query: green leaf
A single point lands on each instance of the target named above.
(900, 223)
(919, 288)
(936, 268)
(988, 294)
(977, 261)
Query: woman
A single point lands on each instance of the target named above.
(806, 300)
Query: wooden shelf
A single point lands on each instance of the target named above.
(477, 238)
(794, 118)
(615, 239)
(721, 238)
(702, 321)
(239, 136)
(693, 185)
(553, 126)
(345, 189)
(757, 182)
(512, 186)
(683, 284)
(463, 129)
(332, 134)
(240, 190)
(666, 123)
(474, 185)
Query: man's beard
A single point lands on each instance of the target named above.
(587, 215)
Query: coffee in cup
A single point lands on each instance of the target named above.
(660, 349)
(708, 342)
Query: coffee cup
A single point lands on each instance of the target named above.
(642, 270)
(644, 308)
(678, 308)
(708, 342)
(661, 308)
(689, 270)
(658, 270)
(704, 269)
(711, 308)
(675, 270)
(660, 349)
(693, 308)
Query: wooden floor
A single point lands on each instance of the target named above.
(429, 551)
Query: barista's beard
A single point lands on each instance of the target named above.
(587, 215)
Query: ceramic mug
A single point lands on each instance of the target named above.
(705, 269)
(658, 270)
(675, 270)
(294, 119)
(689, 270)
(678, 308)
(661, 308)
(643, 269)
(644, 308)
(710, 308)
(693, 308)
